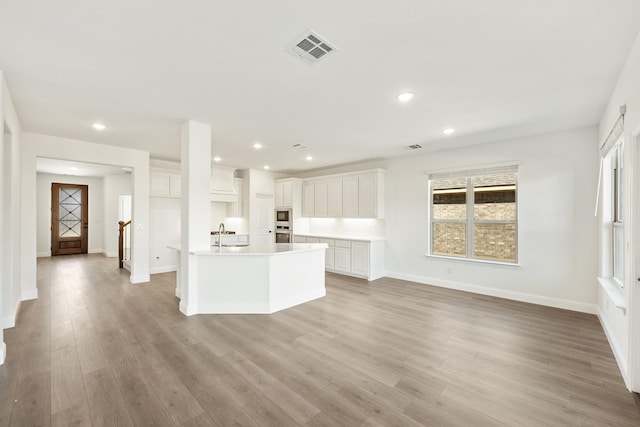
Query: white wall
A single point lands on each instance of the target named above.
(557, 231)
(113, 187)
(11, 291)
(623, 328)
(43, 216)
(35, 145)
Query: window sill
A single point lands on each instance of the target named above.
(478, 261)
(614, 292)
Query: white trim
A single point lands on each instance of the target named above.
(43, 254)
(140, 278)
(582, 307)
(615, 348)
(188, 310)
(110, 254)
(614, 292)
(95, 251)
(9, 321)
(476, 260)
(166, 269)
(216, 308)
(473, 168)
(297, 299)
(178, 293)
(29, 294)
(3, 352)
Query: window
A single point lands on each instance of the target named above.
(615, 158)
(474, 214)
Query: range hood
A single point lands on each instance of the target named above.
(222, 186)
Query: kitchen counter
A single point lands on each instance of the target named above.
(252, 279)
(270, 249)
(343, 237)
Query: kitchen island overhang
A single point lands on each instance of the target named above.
(255, 279)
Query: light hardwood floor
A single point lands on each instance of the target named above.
(95, 350)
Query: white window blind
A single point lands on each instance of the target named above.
(467, 173)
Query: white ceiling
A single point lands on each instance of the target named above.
(492, 69)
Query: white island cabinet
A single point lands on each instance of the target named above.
(256, 279)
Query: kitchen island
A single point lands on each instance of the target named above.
(255, 279)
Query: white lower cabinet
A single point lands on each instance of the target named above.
(329, 254)
(360, 258)
(352, 257)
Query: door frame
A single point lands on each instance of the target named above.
(55, 216)
(634, 257)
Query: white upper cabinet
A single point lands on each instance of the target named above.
(279, 199)
(334, 198)
(367, 196)
(164, 183)
(321, 199)
(308, 199)
(352, 195)
(284, 194)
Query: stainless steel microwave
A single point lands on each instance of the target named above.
(283, 215)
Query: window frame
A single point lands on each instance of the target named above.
(616, 227)
(470, 221)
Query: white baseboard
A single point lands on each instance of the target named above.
(615, 348)
(30, 294)
(43, 254)
(3, 352)
(110, 254)
(500, 293)
(166, 269)
(296, 300)
(140, 278)
(9, 321)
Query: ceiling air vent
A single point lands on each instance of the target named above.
(414, 147)
(299, 146)
(310, 47)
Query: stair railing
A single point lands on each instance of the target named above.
(124, 242)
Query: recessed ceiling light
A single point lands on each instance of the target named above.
(98, 126)
(405, 97)
(266, 167)
(448, 131)
(309, 158)
(257, 146)
(217, 159)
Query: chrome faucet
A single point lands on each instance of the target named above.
(220, 233)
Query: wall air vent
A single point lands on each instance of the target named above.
(299, 146)
(310, 47)
(414, 147)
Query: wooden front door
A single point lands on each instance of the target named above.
(69, 219)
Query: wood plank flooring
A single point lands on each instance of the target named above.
(95, 350)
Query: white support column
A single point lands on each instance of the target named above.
(195, 208)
